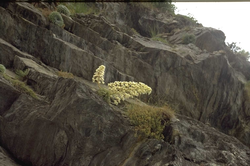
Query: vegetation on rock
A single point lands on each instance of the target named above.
(99, 75)
(21, 86)
(105, 94)
(56, 18)
(149, 121)
(186, 20)
(2, 69)
(163, 6)
(22, 75)
(188, 38)
(63, 9)
(122, 90)
(119, 90)
(84, 7)
(65, 74)
(238, 51)
(157, 38)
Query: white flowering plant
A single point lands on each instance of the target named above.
(99, 75)
(119, 90)
(122, 90)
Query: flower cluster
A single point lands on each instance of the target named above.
(99, 75)
(122, 90)
(119, 90)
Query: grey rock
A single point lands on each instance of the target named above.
(71, 125)
(6, 159)
(9, 95)
(29, 12)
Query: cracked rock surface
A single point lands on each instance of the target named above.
(70, 125)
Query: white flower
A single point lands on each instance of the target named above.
(99, 75)
(123, 90)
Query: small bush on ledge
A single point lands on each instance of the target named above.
(56, 18)
(149, 121)
(188, 39)
(22, 75)
(2, 69)
(63, 9)
(105, 94)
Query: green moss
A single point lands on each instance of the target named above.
(2, 69)
(56, 18)
(63, 9)
(21, 86)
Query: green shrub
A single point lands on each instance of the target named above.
(56, 18)
(244, 54)
(63, 9)
(188, 39)
(157, 38)
(186, 20)
(2, 68)
(165, 5)
(149, 121)
(105, 94)
(238, 51)
(21, 86)
(22, 75)
(84, 7)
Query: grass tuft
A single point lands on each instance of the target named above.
(22, 75)
(149, 121)
(65, 74)
(157, 38)
(21, 86)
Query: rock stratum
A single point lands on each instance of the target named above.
(70, 125)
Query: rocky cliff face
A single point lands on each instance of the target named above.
(69, 125)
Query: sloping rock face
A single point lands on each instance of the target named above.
(67, 131)
(77, 128)
(5, 159)
(70, 125)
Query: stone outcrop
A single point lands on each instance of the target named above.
(70, 125)
(5, 159)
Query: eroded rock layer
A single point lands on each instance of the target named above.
(70, 125)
